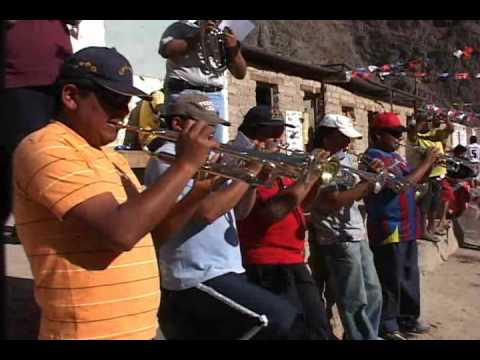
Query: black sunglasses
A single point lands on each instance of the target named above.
(110, 98)
(397, 134)
(106, 97)
(271, 132)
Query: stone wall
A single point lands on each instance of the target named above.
(291, 90)
(241, 93)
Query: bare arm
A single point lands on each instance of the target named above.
(443, 134)
(339, 199)
(449, 125)
(280, 205)
(236, 62)
(182, 213)
(220, 202)
(178, 47)
(123, 225)
(423, 169)
(246, 204)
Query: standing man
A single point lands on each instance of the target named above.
(81, 216)
(473, 150)
(205, 293)
(272, 236)
(432, 205)
(341, 238)
(186, 70)
(34, 52)
(473, 154)
(393, 225)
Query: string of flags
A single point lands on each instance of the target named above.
(467, 118)
(416, 68)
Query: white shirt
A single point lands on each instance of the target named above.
(473, 152)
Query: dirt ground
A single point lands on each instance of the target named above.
(450, 297)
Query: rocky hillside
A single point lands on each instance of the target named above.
(360, 43)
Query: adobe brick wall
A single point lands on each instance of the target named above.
(291, 92)
(241, 93)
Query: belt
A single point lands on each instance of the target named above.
(177, 85)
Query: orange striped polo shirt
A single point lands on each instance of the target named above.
(85, 290)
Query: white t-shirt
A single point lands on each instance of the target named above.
(473, 152)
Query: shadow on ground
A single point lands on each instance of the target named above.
(23, 314)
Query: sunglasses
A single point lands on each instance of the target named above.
(395, 133)
(271, 132)
(110, 98)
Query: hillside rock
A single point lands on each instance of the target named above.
(360, 43)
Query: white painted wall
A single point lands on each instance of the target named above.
(90, 33)
(138, 40)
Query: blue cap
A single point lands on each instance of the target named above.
(105, 67)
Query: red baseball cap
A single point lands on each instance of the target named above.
(388, 120)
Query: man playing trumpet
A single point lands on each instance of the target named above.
(340, 239)
(272, 236)
(81, 216)
(393, 225)
(434, 205)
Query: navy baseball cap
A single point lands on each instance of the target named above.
(105, 67)
(262, 115)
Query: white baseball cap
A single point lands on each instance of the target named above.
(342, 123)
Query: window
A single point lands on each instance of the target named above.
(267, 94)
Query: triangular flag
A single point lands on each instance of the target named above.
(458, 54)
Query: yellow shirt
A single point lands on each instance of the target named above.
(431, 139)
(85, 290)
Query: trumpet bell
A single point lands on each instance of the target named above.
(329, 171)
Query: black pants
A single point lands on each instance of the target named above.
(295, 284)
(397, 268)
(22, 111)
(321, 275)
(195, 314)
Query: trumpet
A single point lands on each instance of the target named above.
(347, 175)
(452, 163)
(232, 160)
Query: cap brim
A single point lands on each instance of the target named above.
(396, 128)
(121, 89)
(274, 122)
(350, 132)
(215, 120)
(211, 120)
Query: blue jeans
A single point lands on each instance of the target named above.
(357, 288)
(221, 132)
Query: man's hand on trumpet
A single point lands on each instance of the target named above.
(194, 144)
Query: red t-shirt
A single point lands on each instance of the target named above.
(279, 243)
(35, 51)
